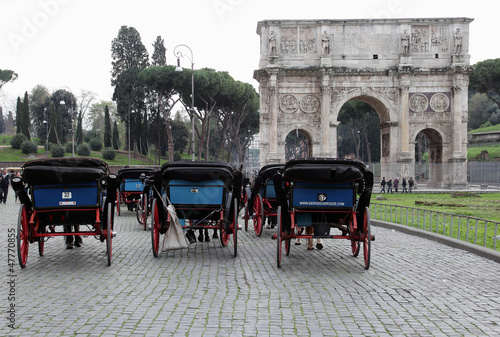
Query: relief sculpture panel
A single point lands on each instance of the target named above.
(289, 103)
(288, 44)
(309, 104)
(307, 41)
(439, 38)
(419, 39)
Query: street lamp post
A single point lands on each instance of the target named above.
(179, 54)
(46, 122)
(71, 112)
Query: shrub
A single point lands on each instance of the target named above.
(17, 140)
(83, 150)
(95, 144)
(29, 147)
(57, 151)
(68, 147)
(108, 154)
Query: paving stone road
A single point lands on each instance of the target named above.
(415, 287)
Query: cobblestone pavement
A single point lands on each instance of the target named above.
(415, 287)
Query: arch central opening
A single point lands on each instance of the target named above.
(358, 134)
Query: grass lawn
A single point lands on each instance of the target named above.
(493, 151)
(486, 129)
(9, 154)
(478, 206)
(485, 206)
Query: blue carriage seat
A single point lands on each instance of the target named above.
(130, 179)
(65, 182)
(197, 185)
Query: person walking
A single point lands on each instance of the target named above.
(404, 190)
(4, 185)
(389, 186)
(396, 184)
(382, 183)
(410, 184)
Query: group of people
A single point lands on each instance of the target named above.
(393, 186)
(5, 181)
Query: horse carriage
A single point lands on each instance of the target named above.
(65, 192)
(131, 187)
(262, 201)
(204, 195)
(321, 194)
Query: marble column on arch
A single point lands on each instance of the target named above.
(325, 113)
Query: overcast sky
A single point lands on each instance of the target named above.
(66, 43)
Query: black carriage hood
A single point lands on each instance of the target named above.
(268, 171)
(134, 173)
(198, 171)
(324, 170)
(64, 170)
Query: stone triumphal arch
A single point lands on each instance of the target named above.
(413, 72)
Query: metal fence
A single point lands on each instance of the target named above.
(483, 173)
(473, 230)
(478, 173)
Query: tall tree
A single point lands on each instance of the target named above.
(39, 102)
(79, 129)
(127, 51)
(66, 106)
(53, 136)
(130, 97)
(9, 126)
(26, 124)
(116, 137)
(238, 118)
(479, 105)
(19, 115)
(7, 76)
(162, 81)
(107, 128)
(486, 79)
(159, 56)
(129, 58)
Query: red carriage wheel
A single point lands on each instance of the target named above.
(367, 239)
(355, 246)
(155, 228)
(109, 234)
(22, 236)
(235, 228)
(145, 203)
(258, 215)
(118, 201)
(279, 237)
(139, 211)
